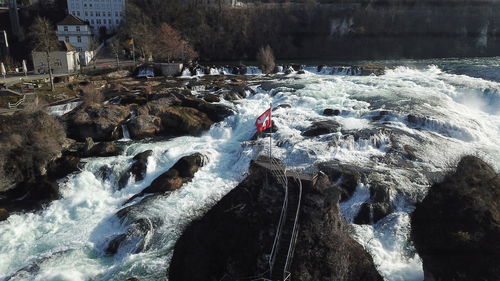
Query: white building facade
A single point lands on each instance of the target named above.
(100, 14)
(76, 32)
(64, 61)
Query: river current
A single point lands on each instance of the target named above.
(441, 110)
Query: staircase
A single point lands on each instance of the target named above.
(285, 245)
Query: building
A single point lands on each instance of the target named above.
(66, 60)
(104, 16)
(76, 32)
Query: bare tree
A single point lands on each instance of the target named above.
(266, 59)
(171, 46)
(115, 49)
(44, 39)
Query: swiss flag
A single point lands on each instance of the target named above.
(264, 121)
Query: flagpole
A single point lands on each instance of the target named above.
(270, 129)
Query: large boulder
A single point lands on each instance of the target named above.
(63, 166)
(31, 143)
(137, 170)
(457, 226)
(235, 237)
(378, 206)
(132, 240)
(322, 128)
(4, 214)
(331, 112)
(216, 112)
(179, 120)
(144, 126)
(183, 171)
(30, 196)
(100, 122)
(103, 149)
(347, 178)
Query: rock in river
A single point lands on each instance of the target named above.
(456, 228)
(235, 237)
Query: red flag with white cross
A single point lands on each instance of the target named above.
(264, 121)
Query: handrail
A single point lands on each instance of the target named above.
(16, 104)
(291, 247)
(282, 218)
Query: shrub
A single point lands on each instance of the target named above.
(266, 59)
(29, 141)
(91, 95)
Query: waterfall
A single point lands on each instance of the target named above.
(126, 134)
(450, 115)
(61, 109)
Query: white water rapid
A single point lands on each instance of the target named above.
(451, 115)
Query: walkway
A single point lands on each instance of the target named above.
(288, 226)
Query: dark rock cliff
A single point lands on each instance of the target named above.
(235, 237)
(457, 226)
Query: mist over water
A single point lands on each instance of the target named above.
(439, 110)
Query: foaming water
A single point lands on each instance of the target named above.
(437, 115)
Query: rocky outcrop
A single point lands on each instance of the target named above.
(137, 170)
(179, 120)
(346, 178)
(457, 226)
(30, 196)
(63, 166)
(4, 214)
(211, 97)
(331, 112)
(216, 112)
(175, 115)
(132, 238)
(103, 149)
(138, 227)
(235, 237)
(322, 128)
(378, 206)
(144, 126)
(30, 160)
(100, 122)
(183, 171)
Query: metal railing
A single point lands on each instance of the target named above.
(291, 247)
(279, 172)
(18, 103)
(284, 182)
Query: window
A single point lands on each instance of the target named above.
(78, 13)
(79, 39)
(66, 28)
(86, 13)
(66, 38)
(117, 21)
(91, 13)
(109, 14)
(77, 28)
(92, 21)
